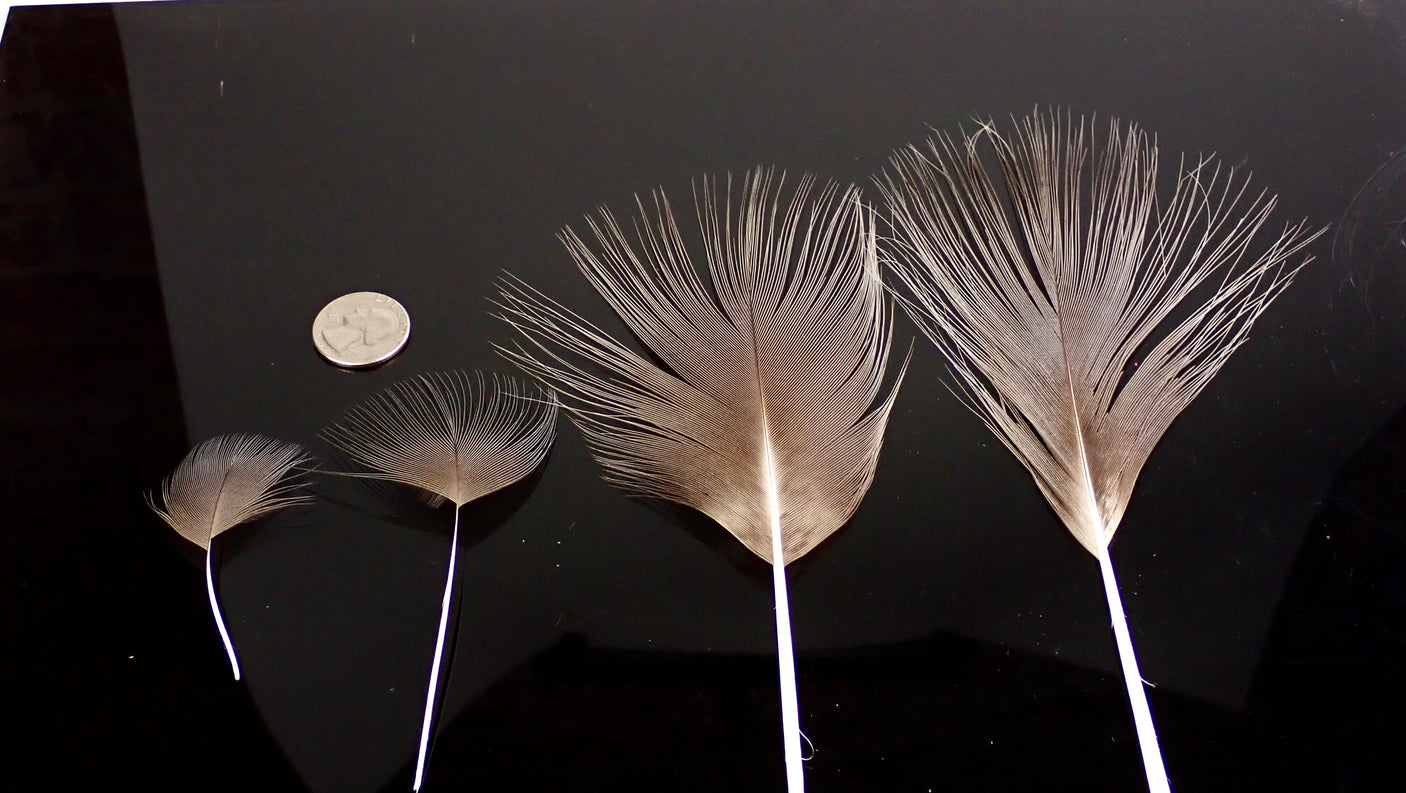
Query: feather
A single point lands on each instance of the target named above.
(456, 439)
(767, 413)
(224, 482)
(1083, 316)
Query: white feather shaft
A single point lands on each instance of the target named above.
(785, 653)
(426, 725)
(1142, 714)
(219, 619)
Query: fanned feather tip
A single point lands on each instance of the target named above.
(227, 481)
(451, 435)
(1079, 315)
(779, 358)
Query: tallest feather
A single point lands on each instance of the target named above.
(1080, 316)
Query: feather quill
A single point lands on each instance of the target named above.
(455, 439)
(767, 413)
(224, 482)
(1079, 315)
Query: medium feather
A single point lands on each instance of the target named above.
(456, 439)
(1080, 316)
(767, 414)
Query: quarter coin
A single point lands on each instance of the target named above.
(361, 329)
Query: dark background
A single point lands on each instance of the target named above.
(185, 185)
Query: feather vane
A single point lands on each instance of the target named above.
(228, 481)
(1045, 311)
(785, 348)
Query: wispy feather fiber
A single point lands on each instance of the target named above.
(779, 355)
(450, 435)
(1079, 313)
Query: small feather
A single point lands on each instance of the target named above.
(227, 481)
(222, 483)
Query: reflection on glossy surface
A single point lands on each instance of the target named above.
(949, 636)
(1330, 677)
(110, 678)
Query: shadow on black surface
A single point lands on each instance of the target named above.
(1331, 680)
(951, 711)
(407, 507)
(112, 675)
(944, 713)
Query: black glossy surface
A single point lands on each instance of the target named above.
(185, 185)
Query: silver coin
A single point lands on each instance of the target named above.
(361, 329)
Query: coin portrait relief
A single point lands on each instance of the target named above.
(361, 329)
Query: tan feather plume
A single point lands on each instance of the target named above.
(224, 482)
(449, 435)
(1080, 315)
(768, 412)
(457, 439)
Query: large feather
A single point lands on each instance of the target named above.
(225, 482)
(767, 414)
(456, 439)
(1079, 314)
